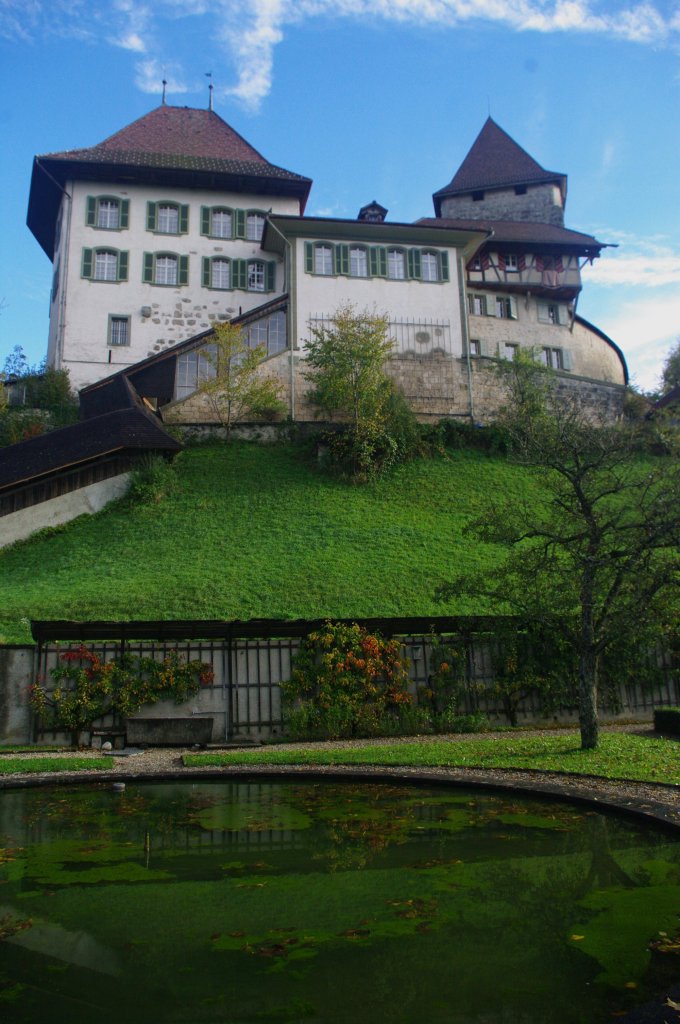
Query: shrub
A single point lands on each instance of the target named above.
(345, 682)
(86, 687)
(667, 720)
(152, 479)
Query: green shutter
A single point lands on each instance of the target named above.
(513, 307)
(239, 222)
(183, 219)
(122, 274)
(124, 213)
(150, 216)
(91, 214)
(239, 274)
(309, 258)
(567, 362)
(183, 275)
(86, 269)
(270, 283)
(206, 270)
(342, 259)
(444, 264)
(377, 261)
(414, 264)
(147, 272)
(205, 220)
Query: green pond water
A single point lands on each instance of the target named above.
(257, 901)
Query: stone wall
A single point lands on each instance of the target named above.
(540, 203)
(16, 675)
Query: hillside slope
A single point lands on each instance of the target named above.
(257, 531)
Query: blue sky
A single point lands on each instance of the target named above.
(374, 99)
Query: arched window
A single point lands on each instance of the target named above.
(220, 223)
(220, 276)
(254, 226)
(108, 213)
(396, 264)
(256, 276)
(165, 270)
(358, 262)
(168, 218)
(429, 266)
(323, 259)
(105, 265)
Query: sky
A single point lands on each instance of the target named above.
(373, 99)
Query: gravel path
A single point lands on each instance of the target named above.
(657, 801)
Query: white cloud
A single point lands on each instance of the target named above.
(648, 263)
(149, 75)
(645, 329)
(250, 30)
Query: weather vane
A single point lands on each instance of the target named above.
(208, 74)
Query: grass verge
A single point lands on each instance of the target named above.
(48, 765)
(618, 756)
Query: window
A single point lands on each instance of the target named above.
(119, 330)
(256, 276)
(508, 350)
(323, 259)
(477, 305)
(358, 262)
(551, 313)
(506, 307)
(477, 197)
(220, 223)
(104, 265)
(520, 190)
(167, 218)
(475, 263)
(553, 357)
(396, 265)
(219, 274)
(193, 368)
(109, 213)
(510, 261)
(475, 347)
(254, 226)
(269, 332)
(430, 270)
(165, 268)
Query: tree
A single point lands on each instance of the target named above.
(670, 375)
(346, 368)
(596, 558)
(231, 381)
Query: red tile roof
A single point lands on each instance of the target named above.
(186, 131)
(496, 160)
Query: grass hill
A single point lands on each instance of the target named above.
(255, 531)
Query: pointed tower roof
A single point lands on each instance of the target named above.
(495, 160)
(173, 146)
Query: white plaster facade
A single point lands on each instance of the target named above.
(158, 315)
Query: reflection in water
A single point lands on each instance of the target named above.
(264, 902)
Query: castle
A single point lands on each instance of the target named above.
(176, 222)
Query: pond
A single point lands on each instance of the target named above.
(259, 901)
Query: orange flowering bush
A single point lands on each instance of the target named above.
(345, 682)
(86, 687)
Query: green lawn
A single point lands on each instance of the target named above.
(256, 531)
(619, 755)
(32, 765)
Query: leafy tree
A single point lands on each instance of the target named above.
(670, 375)
(597, 559)
(346, 369)
(232, 384)
(16, 363)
